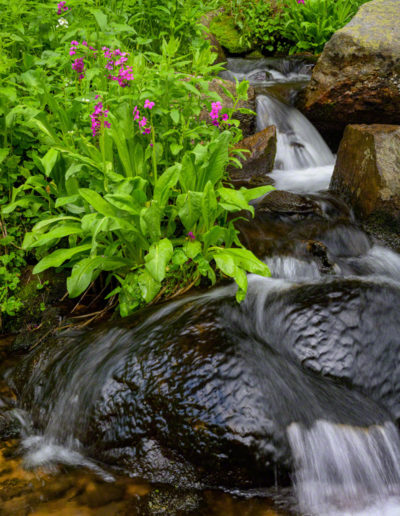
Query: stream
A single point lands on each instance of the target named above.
(287, 404)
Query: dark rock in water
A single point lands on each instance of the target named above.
(279, 201)
(357, 77)
(367, 172)
(202, 390)
(259, 161)
(347, 330)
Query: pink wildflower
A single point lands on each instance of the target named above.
(225, 117)
(142, 122)
(72, 51)
(191, 235)
(84, 43)
(147, 130)
(61, 7)
(215, 109)
(74, 43)
(98, 118)
(300, 1)
(148, 104)
(78, 65)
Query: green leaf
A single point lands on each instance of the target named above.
(3, 154)
(56, 233)
(189, 208)
(98, 203)
(192, 249)
(254, 193)
(157, 258)
(86, 270)
(209, 206)
(149, 287)
(150, 221)
(175, 148)
(174, 114)
(101, 19)
(58, 257)
(233, 200)
(49, 161)
(166, 182)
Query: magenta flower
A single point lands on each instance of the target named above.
(142, 122)
(74, 43)
(98, 118)
(72, 51)
(215, 109)
(78, 65)
(300, 1)
(191, 235)
(136, 113)
(124, 76)
(61, 7)
(147, 130)
(225, 117)
(84, 43)
(148, 104)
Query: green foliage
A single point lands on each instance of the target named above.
(289, 26)
(309, 25)
(143, 206)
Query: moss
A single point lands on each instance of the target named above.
(227, 34)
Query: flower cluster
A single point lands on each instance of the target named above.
(300, 1)
(142, 122)
(116, 59)
(79, 66)
(61, 8)
(98, 117)
(124, 76)
(214, 113)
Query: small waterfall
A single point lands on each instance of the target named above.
(300, 144)
(344, 470)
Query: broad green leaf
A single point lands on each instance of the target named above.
(254, 193)
(189, 208)
(3, 154)
(124, 202)
(149, 287)
(166, 182)
(150, 221)
(86, 270)
(192, 249)
(56, 233)
(101, 19)
(57, 258)
(49, 161)
(98, 203)
(209, 205)
(233, 200)
(157, 258)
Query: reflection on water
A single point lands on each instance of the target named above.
(70, 492)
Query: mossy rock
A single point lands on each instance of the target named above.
(228, 35)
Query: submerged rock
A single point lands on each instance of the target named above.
(357, 77)
(259, 161)
(367, 171)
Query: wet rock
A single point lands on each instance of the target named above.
(259, 161)
(367, 172)
(247, 120)
(347, 330)
(279, 201)
(206, 388)
(357, 77)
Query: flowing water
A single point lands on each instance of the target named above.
(344, 445)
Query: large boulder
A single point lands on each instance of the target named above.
(367, 171)
(203, 389)
(260, 158)
(357, 77)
